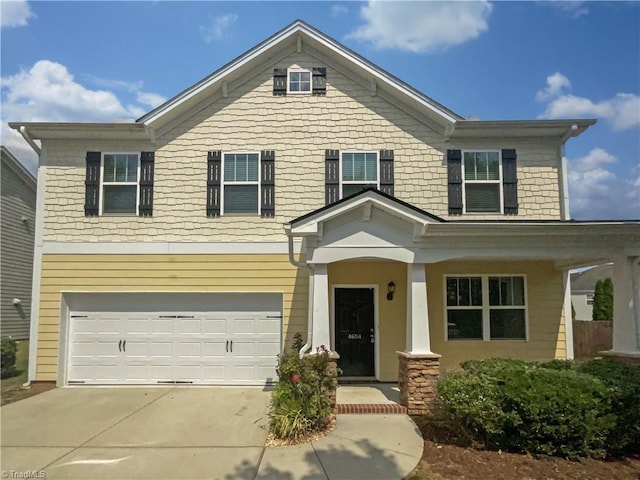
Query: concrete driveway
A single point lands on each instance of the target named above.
(142, 433)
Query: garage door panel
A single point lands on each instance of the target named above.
(214, 326)
(189, 349)
(224, 347)
(161, 326)
(160, 349)
(215, 374)
(216, 349)
(189, 326)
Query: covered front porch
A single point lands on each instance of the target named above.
(399, 293)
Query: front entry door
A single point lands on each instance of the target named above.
(354, 331)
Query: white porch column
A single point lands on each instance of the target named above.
(321, 328)
(417, 313)
(626, 306)
(568, 317)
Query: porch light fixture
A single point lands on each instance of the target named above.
(391, 288)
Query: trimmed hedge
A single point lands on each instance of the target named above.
(559, 408)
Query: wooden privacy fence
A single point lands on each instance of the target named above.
(591, 337)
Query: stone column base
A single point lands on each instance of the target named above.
(417, 379)
(332, 367)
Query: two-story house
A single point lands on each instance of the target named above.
(300, 188)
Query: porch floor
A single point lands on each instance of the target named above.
(378, 398)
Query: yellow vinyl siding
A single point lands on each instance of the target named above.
(392, 314)
(164, 273)
(544, 313)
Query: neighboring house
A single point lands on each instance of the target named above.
(18, 219)
(301, 188)
(583, 287)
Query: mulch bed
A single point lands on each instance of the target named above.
(442, 458)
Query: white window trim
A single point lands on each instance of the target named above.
(102, 183)
(486, 308)
(355, 182)
(223, 183)
(499, 181)
(299, 92)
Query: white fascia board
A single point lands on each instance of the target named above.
(295, 29)
(216, 77)
(379, 74)
(310, 225)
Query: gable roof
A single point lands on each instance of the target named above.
(290, 39)
(371, 196)
(14, 164)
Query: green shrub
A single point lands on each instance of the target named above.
(623, 379)
(522, 407)
(301, 402)
(8, 348)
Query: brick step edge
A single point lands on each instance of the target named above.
(375, 408)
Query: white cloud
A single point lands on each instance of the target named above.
(151, 99)
(15, 13)
(48, 92)
(556, 84)
(598, 193)
(114, 84)
(574, 9)
(218, 27)
(421, 26)
(622, 111)
(337, 10)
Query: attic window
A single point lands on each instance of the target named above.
(299, 81)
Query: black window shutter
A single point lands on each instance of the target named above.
(92, 185)
(510, 181)
(319, 75)
(386, 171)
(267, 183)
(332, 176)
(279, 81)
(454, 180)
(147, 160)
(214, 172)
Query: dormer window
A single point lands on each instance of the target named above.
(299, 81)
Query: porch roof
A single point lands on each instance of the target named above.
(568, 243)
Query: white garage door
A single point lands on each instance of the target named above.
(215, 348)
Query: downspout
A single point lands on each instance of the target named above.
(28, 139)
(309, 268)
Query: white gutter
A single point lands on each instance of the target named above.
(29, 140)
(307, 346)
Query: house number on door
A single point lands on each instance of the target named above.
(354, 336)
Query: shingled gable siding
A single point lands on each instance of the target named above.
(299, 128)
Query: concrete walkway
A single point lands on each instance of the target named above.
(190, 433)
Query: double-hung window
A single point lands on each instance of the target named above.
(120, 173)
(485, 307)
(482, 175)
(359, 170)
(241, 181)
(299, 81)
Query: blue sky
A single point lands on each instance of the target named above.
(106, 61)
